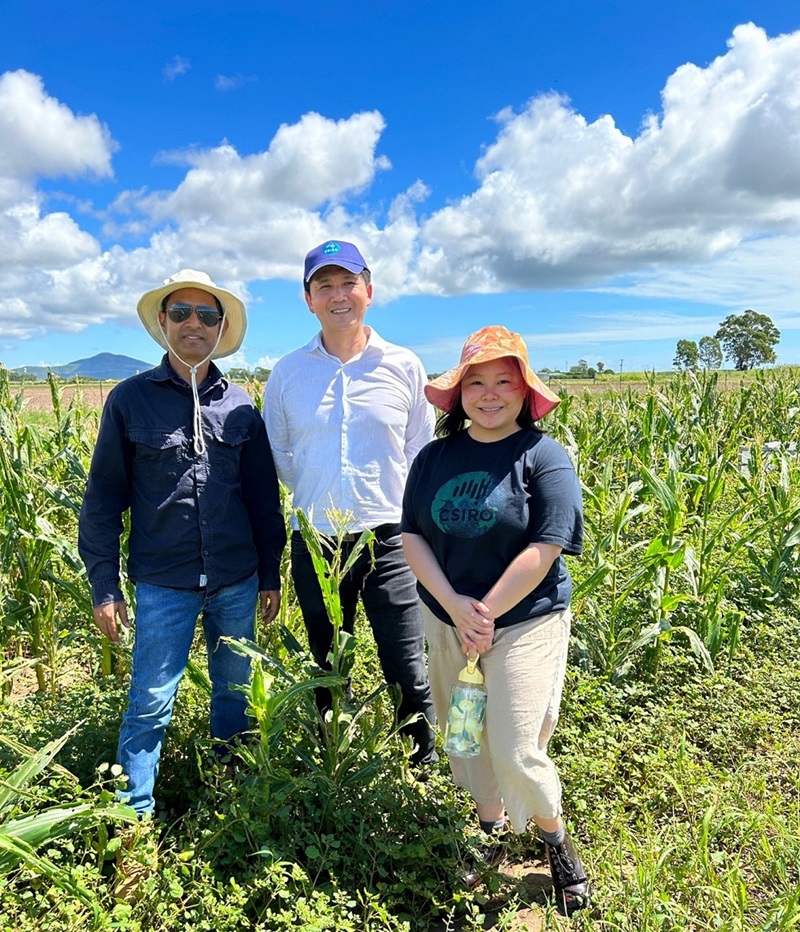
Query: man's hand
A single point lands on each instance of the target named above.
(105, 617)
(269, 602)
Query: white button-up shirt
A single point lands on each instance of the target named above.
(344, 434)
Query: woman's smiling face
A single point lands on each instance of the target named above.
(492, 395)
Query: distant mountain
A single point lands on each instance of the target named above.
(106, 366)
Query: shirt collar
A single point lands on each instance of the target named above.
(164, 372)
(375, 344)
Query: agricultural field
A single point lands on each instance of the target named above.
(678, 744)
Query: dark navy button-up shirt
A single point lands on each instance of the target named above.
(195, 520)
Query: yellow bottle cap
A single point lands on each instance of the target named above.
(471, 673)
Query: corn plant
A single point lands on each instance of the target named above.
(295, 749)
(352, 735)
(23, 835)
(40, 562)
(773, 485)
(670, 523)
(604, 594)
(255, 389)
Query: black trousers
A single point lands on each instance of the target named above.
(387, 589)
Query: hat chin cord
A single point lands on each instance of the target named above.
(198, 440)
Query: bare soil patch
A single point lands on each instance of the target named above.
(37, 397)
(72, 669)
(23, 684)
(532, 886)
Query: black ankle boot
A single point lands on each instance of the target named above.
(569, 878)
(485, 858)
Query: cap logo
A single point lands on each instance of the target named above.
(330, 249)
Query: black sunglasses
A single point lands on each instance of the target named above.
(178, 312)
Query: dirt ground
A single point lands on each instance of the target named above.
(37, 397)
(534, 877)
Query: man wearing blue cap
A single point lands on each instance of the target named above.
(346, 415)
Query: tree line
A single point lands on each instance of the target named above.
(748, 340)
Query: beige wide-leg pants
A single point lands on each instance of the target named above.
(524, 676)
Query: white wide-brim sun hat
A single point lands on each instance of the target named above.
(150, 303)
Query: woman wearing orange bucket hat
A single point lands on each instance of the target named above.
(490, 510)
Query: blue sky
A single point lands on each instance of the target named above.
(605, 178)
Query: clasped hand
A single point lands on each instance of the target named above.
(473, 622)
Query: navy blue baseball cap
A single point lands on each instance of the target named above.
(334, 252)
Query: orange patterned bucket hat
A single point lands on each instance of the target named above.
(484, 345)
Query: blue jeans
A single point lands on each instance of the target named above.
(164, 630)
(389, 593)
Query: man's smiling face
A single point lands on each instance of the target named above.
(191, 339)
(339, 300)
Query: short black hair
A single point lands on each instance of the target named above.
(364, 273)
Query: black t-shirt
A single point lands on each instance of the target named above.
(478, 505)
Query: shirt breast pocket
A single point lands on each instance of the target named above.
(161, 452)
(226, 453)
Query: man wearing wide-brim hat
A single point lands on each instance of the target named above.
(187, 454)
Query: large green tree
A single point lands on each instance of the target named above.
(686, 355)
(710, 354)
(748, 339)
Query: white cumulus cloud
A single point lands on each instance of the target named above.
(565, 202)
(40, 136)
(255, 215)
(558, 201)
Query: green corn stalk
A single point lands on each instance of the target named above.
(40, 483)
(353, 738)
(719, 524)
(602, 625)
(22, 835)
(774, 555)
(280, 695)
(326, 556)
(688, 523)
(326, 756)
(342, 744)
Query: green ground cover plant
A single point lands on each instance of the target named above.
(678, 744)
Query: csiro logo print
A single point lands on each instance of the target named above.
(463, 505)
(330, 249)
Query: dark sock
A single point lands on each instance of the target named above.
(493, 828)
(553, 838)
